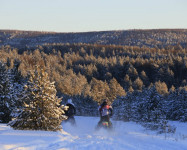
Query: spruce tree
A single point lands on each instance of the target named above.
(17, 81)
(41, 109)
(178, 105)
(6, 92)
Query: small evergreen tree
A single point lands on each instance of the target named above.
(127, 82)
(41, 109)
(138, 84)
(130, 89)
(144, 78)
(161, 88)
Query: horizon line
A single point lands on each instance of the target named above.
(135, 29)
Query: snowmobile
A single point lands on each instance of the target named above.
(104, 125)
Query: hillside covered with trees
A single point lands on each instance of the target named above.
(145, 84)
(150, 38)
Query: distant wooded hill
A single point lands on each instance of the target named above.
(157, 38)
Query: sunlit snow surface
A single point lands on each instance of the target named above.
(125, 136)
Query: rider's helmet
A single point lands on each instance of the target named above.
(69, 101)
(105, 102)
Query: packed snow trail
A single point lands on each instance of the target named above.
(125, 136)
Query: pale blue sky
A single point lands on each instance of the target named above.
(92, 15)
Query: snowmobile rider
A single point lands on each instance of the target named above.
(71, 111)
(105, 111)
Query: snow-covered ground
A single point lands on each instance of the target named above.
(125, 136)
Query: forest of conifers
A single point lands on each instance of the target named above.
(133, 78)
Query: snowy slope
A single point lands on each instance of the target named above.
(126, 136)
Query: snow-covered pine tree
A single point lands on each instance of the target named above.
(42, 110)
(138, 108)
(177, 105)
(183, 118)
(127, 107)
(153, 106)
(6, 89)
(118, 107)
(17, 81)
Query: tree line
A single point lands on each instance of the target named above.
(90, 73)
